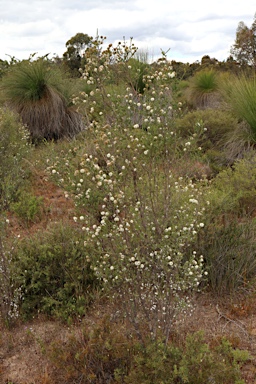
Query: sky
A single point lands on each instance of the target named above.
(187, 29)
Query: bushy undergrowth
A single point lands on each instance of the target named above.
(14, 148)
(212, 131)
(10, 292)
(240, 93)
(28, 208)
(230, 254)
(235, 188)
(228, 239)
(107, 354)
(218, 124)
(53, 274)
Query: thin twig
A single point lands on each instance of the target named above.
(229, 320)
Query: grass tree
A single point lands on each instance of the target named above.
(203, 89)
(40, 94)
(240, 93)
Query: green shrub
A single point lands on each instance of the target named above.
(228, 239)
(234, 188)
(194, 363)
(105, 353)
(28, 207)
(100, 354)
(202, 364)
(216, 127)
(54, 274)
(230, 255)
(14, 148)
(10, 292)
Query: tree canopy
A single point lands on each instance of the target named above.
(244, 48)
(75, 49)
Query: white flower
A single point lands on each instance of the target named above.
(171, 75)
(194, 201)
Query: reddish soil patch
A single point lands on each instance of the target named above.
(56, 208)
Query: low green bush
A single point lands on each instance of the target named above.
(214, 127)
(105, 353)
(201, 363)
(10, 292)
(230, 254)
(228, 238)
(28, 207)
(234, 188)
(101, 354)
(53, 273)
(14, 148)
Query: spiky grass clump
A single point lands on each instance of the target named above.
(37, 91)
(203, 88)
(240, 94)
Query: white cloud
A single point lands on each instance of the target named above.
(189, 29)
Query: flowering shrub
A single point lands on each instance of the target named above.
(113, 94)
(139, 218)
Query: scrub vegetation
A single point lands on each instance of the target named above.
(127, 216)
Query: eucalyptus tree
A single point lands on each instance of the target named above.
(244, 48)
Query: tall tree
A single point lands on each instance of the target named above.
(244, 48)
(75, 49)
